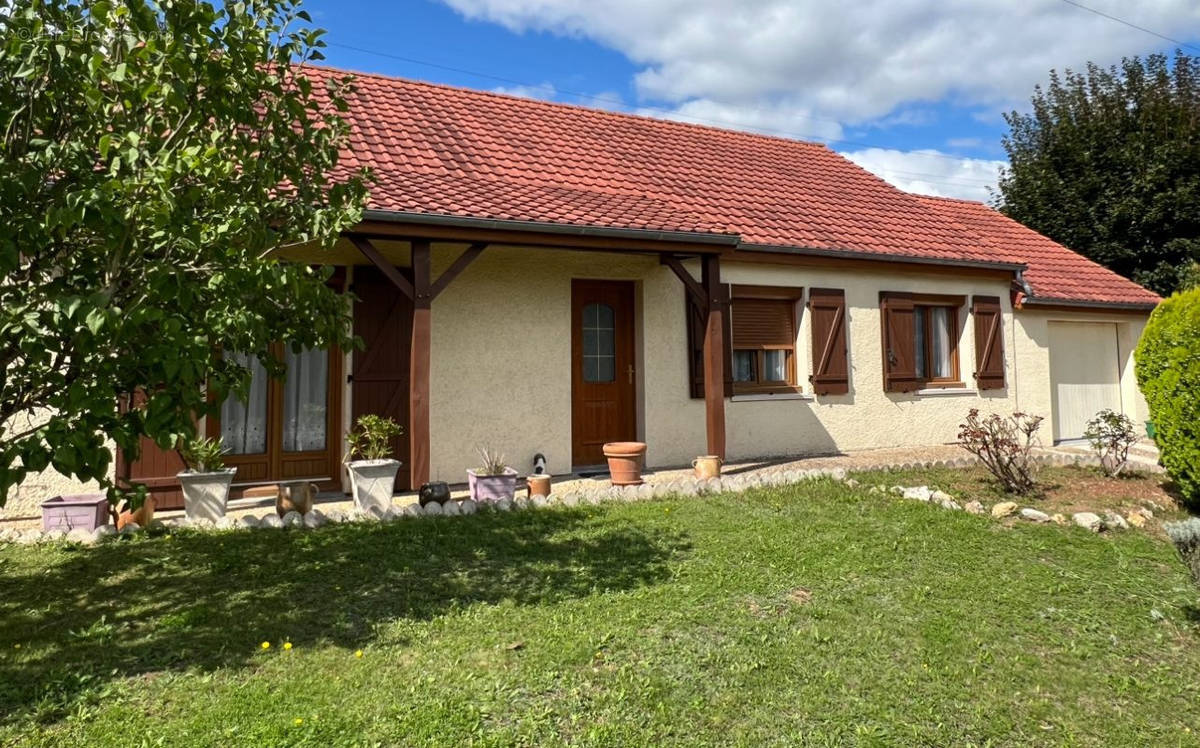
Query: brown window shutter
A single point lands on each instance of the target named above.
(696, 323)
(989, 342)
(831, 371)
(899, 342)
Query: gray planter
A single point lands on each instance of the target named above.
(73, 511)
(492, 487)
(372, 482)
(205, 495)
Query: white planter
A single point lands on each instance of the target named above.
(373, 482)
(205, 495)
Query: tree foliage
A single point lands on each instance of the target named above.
(1108, 164)
(154, 157)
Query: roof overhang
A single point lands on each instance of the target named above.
(1036, 303)
(1010, 267)
(440, 220)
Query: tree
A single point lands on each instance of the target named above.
(155, 154)
(1108, 164)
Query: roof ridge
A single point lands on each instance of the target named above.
(575, 107)
(953, 200)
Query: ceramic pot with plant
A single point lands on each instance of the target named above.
(493, 480)
(625, 462)
(206, 480)
(370, 463)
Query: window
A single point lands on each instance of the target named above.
(934, 348)
(920, 337)
(599, 344)
(763, 329)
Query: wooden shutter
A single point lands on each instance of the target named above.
(696, 322)
(831, 370)
(989, 342)
(899, 342)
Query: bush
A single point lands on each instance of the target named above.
(1005, 445)
(1111, 434)
(1167, 363)
(1186, 537)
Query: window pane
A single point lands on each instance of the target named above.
(244, 424)
(305, 393)
(919, 324)
(743, 366)
(599, 344)
(775, 366)
(939, 330)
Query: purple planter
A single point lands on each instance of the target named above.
(492, 487)
(80, 510)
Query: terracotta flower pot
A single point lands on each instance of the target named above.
(625, 461)
(707, 466)
(539, 485)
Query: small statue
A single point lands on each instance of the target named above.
(438, 491)
(295, 497)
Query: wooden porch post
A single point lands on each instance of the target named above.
(419, 364)
(714, 355)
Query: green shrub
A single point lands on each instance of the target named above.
(1168, 371)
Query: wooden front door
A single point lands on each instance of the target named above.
(383, 319)
(603, 394)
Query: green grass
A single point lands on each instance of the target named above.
(811, 615)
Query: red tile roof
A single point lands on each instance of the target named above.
(1054, 272)
(449, 151)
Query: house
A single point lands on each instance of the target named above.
(545, 278)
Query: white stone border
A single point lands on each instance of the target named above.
(735, 483)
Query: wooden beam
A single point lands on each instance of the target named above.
(420, 359)
(688, 281)
(466, 258)
(388, 269)
(714, 356)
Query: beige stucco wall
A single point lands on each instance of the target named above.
(501, 364)
(25, 499)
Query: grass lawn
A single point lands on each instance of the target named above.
(814, 615)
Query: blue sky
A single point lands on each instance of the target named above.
(910, 89)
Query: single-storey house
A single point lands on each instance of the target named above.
(545, 278)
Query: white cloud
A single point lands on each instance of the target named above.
(931, 172)
(848, 62)
(543, 91)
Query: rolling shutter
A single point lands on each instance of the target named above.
(760, 323)
(696, 322)
(899, 342)
(989, 342)
(831, 371)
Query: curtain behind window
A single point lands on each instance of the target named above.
(305, 394)
(244, 425)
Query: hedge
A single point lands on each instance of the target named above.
(1167, 363)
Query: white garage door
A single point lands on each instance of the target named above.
(1085, 374)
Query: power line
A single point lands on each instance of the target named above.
(622, 104)
(1131, 25)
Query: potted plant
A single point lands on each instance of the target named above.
(206, 480)
(493, 480)
(373, 473)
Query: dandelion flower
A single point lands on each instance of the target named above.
(298, 721)
(358, 653)
(265, 645)
(287, 646)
